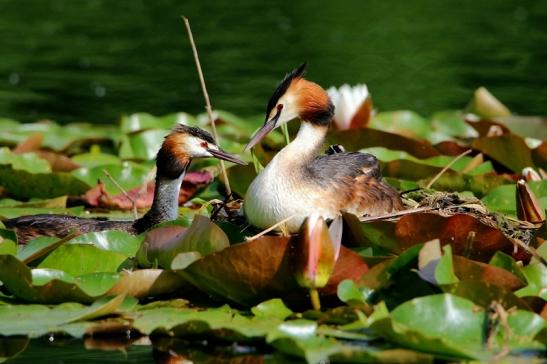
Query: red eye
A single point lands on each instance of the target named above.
(204, 144)
(279, 107)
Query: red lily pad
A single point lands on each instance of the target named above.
(251, 272)
(98, 196)
(413, 229)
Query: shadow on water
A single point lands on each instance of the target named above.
(94, 60)
(166, 350)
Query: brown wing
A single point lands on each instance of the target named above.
(32, 226)
(355, 180)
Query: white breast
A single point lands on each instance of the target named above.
(279, 192)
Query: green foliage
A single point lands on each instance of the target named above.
(421, 289)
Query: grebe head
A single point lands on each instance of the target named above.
(294, 98)
(184, 143)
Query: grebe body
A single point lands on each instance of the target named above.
(183, 144)
(298, 181)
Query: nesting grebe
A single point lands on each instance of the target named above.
(299, 182)
(177, 151)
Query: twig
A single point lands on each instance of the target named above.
(207, 101)
(40, 253)
(263, 232)
(530, 250)
(397, 214)
(133, 202)
(441, 172)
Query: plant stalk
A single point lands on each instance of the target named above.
(315, 301)
(207, 101)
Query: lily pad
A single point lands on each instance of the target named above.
(78, 259)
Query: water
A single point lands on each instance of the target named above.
(95, 60)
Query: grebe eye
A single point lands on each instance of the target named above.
(204, 144)
(279, 107)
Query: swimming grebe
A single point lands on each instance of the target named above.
(183, 144)
(299, 182)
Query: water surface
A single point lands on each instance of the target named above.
(95, 60)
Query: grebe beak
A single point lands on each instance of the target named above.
(220, 154)
(268, 126)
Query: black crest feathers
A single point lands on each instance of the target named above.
(284, 85)
(197, 132)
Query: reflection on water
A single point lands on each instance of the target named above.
(95, 60)
(164, 350)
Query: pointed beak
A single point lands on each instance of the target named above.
(220, 154)
(262, 132)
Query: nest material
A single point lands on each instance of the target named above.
(451, 203)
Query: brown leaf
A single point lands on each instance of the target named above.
(147, 283)
(449, 147)
(528, 206)
(143, 197)
(30, 144)
(509, 150)
(251, 272)
(454, 230)
(470, 270)
(58, 162)
(356, 139)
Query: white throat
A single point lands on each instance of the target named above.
(278, 192)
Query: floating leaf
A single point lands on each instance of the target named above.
(536, 276)
(356, 139)
(40, 185)
(28, 162)
(114, 241)
(38, 320)
(78, 259)
(509, 150)
(163, 244)
(128, 175)
(502, 198)
(229, 275)
(486, 105)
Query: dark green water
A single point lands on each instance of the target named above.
(95, 60)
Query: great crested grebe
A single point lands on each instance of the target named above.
(299, 182)
(183, 144)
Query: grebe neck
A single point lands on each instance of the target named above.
(307, 143)
(165, 206)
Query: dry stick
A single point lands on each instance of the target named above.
(530, 250)
(207, 101)
(133, 202)
(441, 172)
(263, 232)
(40, 253)
(397, 214)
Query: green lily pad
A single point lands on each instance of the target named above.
(536, 276)
(114, 241)
(78, 259)
(503, 198)
(141, 121)
(165, 245)
(29, 162)
(37, 320)
(143, 145)
(40, 185)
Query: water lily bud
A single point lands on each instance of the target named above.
(352, 106)
(486, 105)
(528, 207)
(315, 253)
(529, 174)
